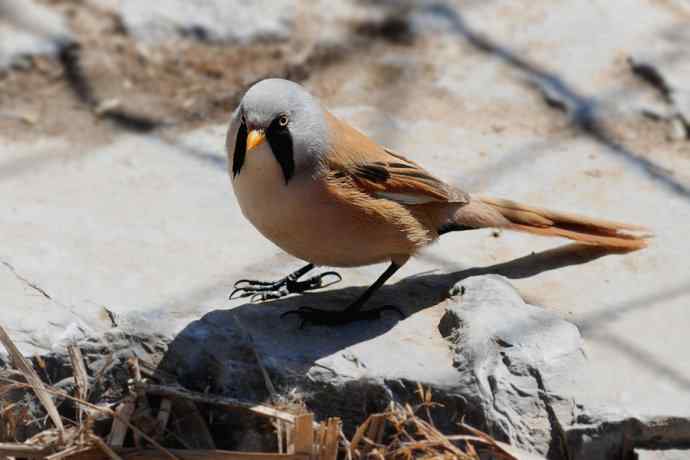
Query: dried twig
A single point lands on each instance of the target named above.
(110, 412)
(149, 454)
(399, 433)
(67, 453)
(328, 446)
(359, 435)
(81, 378)
(376, 428)
(13, 449)
(134, 369)
(32, 378)
(279, 435)
(118, 431)
(346, 444)
(179, 392)
(104, 448)
(150, 371)
(303, 438)
(143, 411)
(497, 449)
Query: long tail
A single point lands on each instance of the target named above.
(492, 212)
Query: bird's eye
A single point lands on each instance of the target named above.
(283, 120)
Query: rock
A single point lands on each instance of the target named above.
(29, 29)
(28, 305)
(485, 354)
(670, 454)
(518, 453)
(602, 432)
(237, 21)
(508, 367)
(515, 361)
(317, 23)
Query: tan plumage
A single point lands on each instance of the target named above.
(578, 228)
(328, 194)
(378, 172)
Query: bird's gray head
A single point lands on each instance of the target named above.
(285, 115)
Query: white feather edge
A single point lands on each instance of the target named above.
(404, 198)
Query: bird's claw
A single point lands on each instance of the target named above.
(334, 318)
(268, 295)
(245, 283)
(318, 281)
(261, 291)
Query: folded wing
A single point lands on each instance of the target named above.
(383, 173)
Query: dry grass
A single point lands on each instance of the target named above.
(129, 429)
(405, 432)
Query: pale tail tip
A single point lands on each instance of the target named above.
(637, 233)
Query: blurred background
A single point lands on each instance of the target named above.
(115, 202)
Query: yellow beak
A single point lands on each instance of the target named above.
(255, 137)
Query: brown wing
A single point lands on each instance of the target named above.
(402, 182)
(383, 173)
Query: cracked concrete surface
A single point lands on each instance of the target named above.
(530, 100)
(26, 281)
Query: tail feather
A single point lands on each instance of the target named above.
(492, 212)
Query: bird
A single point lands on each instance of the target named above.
(326, 193)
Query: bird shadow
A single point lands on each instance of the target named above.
(212, 350)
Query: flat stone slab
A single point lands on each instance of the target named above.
(484, 353)
(28, 29)
(670, 454)
(216, 20)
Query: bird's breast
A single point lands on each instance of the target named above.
(289, 213)
(262, 192)
(303, 218)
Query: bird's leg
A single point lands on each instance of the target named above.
(354, 311)
(269, 290)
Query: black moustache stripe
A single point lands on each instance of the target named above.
(240, 150)
(280, 141)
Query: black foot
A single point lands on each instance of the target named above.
(261, 291)
(335, 318)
